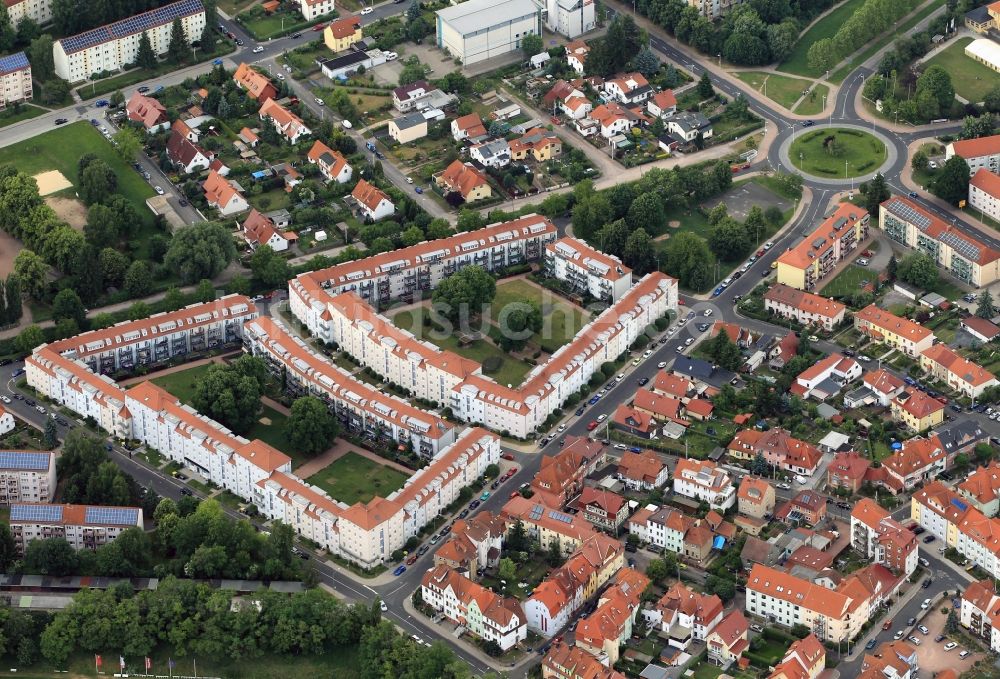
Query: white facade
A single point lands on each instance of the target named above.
(570, 17)
(40, 11)
(983, 152)
(483, 613)
(312, 9)
(26, 476)
(15, 79)
(83, 527)
(477, 30)
(78, 57)
(602, 276)
(705, 482)
(984, 193)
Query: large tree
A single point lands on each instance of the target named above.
(952, 181)
(97, 182)
(32, 273)
(918, 269)
(67, 304)
(690, 261)
(310, 427)
(639, 252)
(875, 192)
(269, 267)
(518, 321)
(53, 556)
(8, 34)
(199, 251)
(531, 45)
(466, 293)
(729, 240)
(178, 42)
(937, 82)
(138, 279)
(231, 393)
(985, 308)
(144, 56)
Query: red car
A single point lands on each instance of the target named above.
(507, 456)
(515, 494)
(760, 253)
(510, 472)
(592, 426)
(319, 27)
(412, 560)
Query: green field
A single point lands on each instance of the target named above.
(972, 80)
(857, 153)
(182, 383)
(781, 89)
(353, 478)
(826, 27)
(273, 433)
(561, 320)
(813, 105)
(27, 111)
(848, 281)
(60, 149)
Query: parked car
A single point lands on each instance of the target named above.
(507, 456)
(158, 190)
(367, 10)
(913, 640)
(643, 381)
(400, 569)
(923, 629)
(258, 49)
(928, 539)
(871, 644)
(950, 646)
(62, 121)
(964, 654)
(925, 605)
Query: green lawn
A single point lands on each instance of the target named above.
(272, 432)
(797, 62)
(59, 149)
(182, 384)
(848, 281)
(781, 89)
(353, 478)
(26, 111)
(813, 104)
(511, 370)
(265, 27)
(857, 153)
(972, 80)
(561, 321)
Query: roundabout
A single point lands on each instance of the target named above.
(835, 155)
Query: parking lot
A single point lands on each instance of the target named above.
(931, 656)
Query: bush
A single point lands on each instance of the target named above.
(492, 364)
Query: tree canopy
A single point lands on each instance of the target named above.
(231, 393)
(465, 293)
(310, 428)
(201, 250)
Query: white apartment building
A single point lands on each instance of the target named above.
(477, 30)
(978, 539)
(981, 612)
(115, 46)
(27, 476)
(881, 539)
(312, 9)
(938, 509)
(983, 152)
(407, 272)
(664, 528)
(570, 17)
(984, 192)
(83, 526)
(487, 615)
(40, 11)
(713, 9)
(15, 79)
(706, 482)
(360, 408)
(590, 271)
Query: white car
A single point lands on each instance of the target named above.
(801, 480)
(5, 399)
(661, 364)
(647, 353)
(367, 10)
(280, 77)
(346, 123)
(619, 446)
(258, 49)
(768, 245)
(927, 604)
(950, 646)
(898, 635)
(391, 56)
(381, 604)
(409, 180)
(932, 164)
(689, 341)
(602, 417)
(913, 640)
(320, 101)
(706, 312)
(562, 427)
(158, 190)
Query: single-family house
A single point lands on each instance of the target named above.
(285, 122)
(256, 84)
(223, 195)
(495, 153)
(464, 179)
(468, 127)
(332, 165)
(372, 203)
(147, 111)
(662, 104)
(258, 230)
(409, 127)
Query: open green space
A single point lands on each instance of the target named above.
(510, 370)
(972, 80)
(781, 89)
(561, 321)
(263, 26)
(353, 478)
(182, 383)
(13, 114)
(61, 148)
(837, 153)
(848, 281)
(838, 76)
(812, 104)
(797, 61)
(270, 428)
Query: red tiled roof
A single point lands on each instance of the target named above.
(974, 148)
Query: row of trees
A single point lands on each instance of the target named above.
(870, 20)
(934, 95)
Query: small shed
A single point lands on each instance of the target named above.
(320, 236)
(539, 59)
(933, 300)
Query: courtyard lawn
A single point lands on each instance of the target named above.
(813, 103)
(826, 27)
(858, 153)
(848, 281)
(270, 428)
(781, 89)
(60, 149)
(561, 320)
(182, 384)
(972, 80)
(353, 478)
(26, 112)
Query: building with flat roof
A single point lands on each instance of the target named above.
(570, 18)
(113, 46)
(15, 79)
(836, 238)
(477, 30)
(83, 526)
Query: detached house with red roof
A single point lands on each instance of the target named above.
(918, 460)
(642, 471)
(982, 488)
(729, 639)
(804, 659)
(223, 195)
(847, 470)
(613, 119)
(485, 614)
(685, 615)
(258, 230)
(468, 127)
(576, 55)
(957, 372)
(372, 203)
(257, 85)
(464, 179)
(662, 104)
(627, 88)
(917, 410)
(704, 481)
(287, 124)
(755, 497)
(884, 386)
(807, 507)
(825, 378)
(779, 449)
(184, 153)
(474, 543)
(603, 508)
(571, 662)
(332, 165)
(147, 111)
(804, 307)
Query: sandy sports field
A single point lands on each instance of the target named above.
(51, 181)
(70, 210)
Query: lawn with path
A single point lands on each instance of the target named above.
(16, 114)
(60, 149)
(781, 89)
(561, 321)
(855, 153)
(353, 478)
(797, 61)
(182, 384)
(972, 80)
(812, 104)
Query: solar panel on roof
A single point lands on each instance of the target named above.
(921, 221)
(536, 513)
(111, 516)
(17, 460)
(131, 25)
(559, 516)
(962, 246)
(13, 62)
(40, 513)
